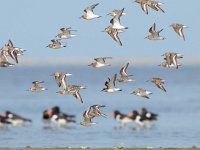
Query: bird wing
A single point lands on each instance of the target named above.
(114, 35)
(13, 55)
(180, 33)
(144, 7)
(160, 86)
(152, 29)
(90, 9)
(123, 70)
(37, 83)
(102, 60)
(78, 96)
(111, 84)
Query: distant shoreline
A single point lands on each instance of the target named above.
(88, 148)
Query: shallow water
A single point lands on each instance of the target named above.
(177, 125)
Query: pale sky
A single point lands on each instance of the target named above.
(31, 24)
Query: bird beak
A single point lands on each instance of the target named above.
(110, 115)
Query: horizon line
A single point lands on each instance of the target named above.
(115, 61)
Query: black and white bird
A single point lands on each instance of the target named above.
(110, 85)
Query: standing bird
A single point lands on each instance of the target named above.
(100, 62)
(122, 119)
(56, 116)
(15, 119)
(110, 85)
(154, 35)
(124, 76)
(60, 78)
(158, 82)
(66, 33)
(178, 28)
(146, 115)
(36, 87)
(89, 13)
(142, 93)
(4, 121)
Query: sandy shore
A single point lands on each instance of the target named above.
(87, 148)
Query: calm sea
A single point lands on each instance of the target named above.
(178, 123)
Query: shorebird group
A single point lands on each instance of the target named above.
(141, 117)
(113, 29)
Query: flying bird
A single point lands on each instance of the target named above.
(89, 13)
(158, 82)
(124, 76)
(155, 5)
(115, 21)
(178, 28)
(142, 93)
(60, 78)
(154, 35)
(114, 33)
(56, 44)
(100, 62)
(66, 33)
(110, 85)
(36, 87)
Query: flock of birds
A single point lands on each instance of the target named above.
(54, 114)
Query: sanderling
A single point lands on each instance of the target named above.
(158, 82)
(124, 76)
(114, 33)
(66, 33)
(100, 62)
(56, 44)
(60, 78)
(36, 87)
(142, 93)
(154, 35)
(89, 13)
(110, 85)
(178, 28)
